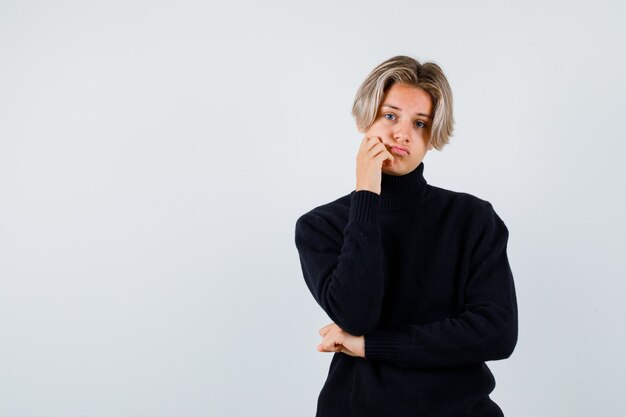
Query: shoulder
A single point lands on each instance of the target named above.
(475, 216)
(329, 218)
(463, 202)
(472, 214)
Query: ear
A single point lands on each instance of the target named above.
(430, 146)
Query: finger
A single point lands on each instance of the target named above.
(322, 348)
(376, 149)
(329, 336)
(368, 138)
(371, 142)
(347, 351)
(333, 348)
(364, 142)
(325, 329)
(375, 141)
(329, 340)
(327, 347)
(383, 156)
(327, 326)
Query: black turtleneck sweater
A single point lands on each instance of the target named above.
(421, 272)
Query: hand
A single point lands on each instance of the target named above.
(369, 162)
(337, 340)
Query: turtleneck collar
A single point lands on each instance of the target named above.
(399, 191)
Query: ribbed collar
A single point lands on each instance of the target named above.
(399, 191)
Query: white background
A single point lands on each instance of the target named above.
(155, 155)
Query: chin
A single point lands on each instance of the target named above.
(394, 171)
(398, 169)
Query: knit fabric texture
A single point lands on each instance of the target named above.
(422, 272)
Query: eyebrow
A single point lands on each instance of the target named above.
(398, 108)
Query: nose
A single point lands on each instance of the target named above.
(401, 131)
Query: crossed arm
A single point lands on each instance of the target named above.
(485, 330)
(335, 339)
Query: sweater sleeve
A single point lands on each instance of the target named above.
(344, 271)
(485, 330)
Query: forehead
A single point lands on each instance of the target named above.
(408, 98)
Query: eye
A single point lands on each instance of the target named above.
(388, 114)
(419, 123)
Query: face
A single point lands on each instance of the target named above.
(404, 123)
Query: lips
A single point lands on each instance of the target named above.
(399, 150)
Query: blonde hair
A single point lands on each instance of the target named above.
(408, 71)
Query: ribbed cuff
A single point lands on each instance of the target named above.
(381, 348)
(364, 206)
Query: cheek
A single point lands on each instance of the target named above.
(423, 134)
(376, 129)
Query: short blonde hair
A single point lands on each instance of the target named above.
(406, 70)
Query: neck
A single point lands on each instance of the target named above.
(399, 191)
